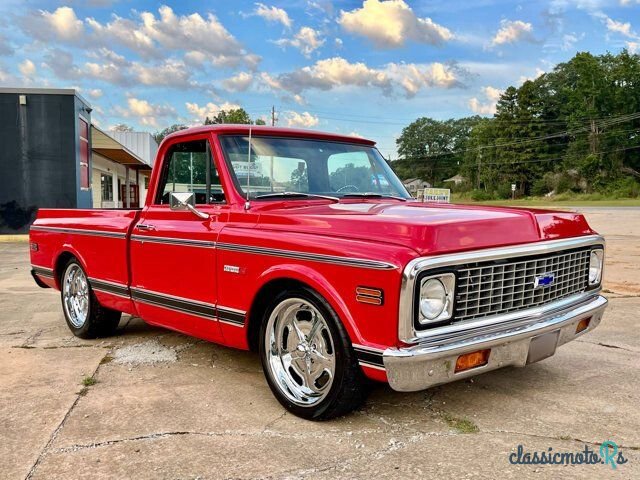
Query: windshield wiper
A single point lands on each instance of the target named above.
(372, 195)
(297, 194)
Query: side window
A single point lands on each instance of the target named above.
(83, 127)
(351, 172)
(185, 170)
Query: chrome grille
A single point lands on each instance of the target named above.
(490, 288)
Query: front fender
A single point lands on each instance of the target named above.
(320, 284)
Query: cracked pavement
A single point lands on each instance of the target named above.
(181, 408)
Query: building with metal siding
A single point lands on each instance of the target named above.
(51, 156)
(40, 153)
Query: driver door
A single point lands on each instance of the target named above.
(173, 255)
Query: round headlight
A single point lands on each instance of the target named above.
(595, 266)
(433, 299)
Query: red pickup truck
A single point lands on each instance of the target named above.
(305, 247)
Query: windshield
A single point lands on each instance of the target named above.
(279, 165)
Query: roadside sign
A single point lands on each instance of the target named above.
(513, 187)
(438, 195)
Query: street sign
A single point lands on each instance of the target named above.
(438, 195)
(513, 187)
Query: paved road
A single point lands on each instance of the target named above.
(168, 406)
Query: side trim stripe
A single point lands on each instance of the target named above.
(42, 271)
(371, 365)
(174, 241)
(231, 316)
(186, 306)
(201, 309)
(112, 288)
(369, 356)
(316, 257)
(80, 231)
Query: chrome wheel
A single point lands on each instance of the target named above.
(300, 352)
(75, 292)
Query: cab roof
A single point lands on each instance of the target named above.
(263, 130)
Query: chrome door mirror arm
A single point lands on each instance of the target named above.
(186, 201)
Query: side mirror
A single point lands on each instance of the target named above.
(185, 201)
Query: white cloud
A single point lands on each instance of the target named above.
(144, 111)
(413, 77)
(391, 23)
(304, 119)
(619, 27)
(147, 34)
(568, 41)
(336, 72)
(492, 95)
(273, 14)
(537, 73)
(512, 31)
(200, 112)
(95, 93)
(124, 32)
(62, 24)
(169, 73)
(306, 40)
(189, 32)
(27, 68)
(238, 83)
(622, 28)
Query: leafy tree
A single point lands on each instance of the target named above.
(236, 116)
(432, 149)
(159, 136)
(575, 127)
(122, 127)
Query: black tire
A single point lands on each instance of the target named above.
(348, 388)
(100, 321)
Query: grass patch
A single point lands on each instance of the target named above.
(89, 381)
(563, 200)
(461, 425)
(106, 359)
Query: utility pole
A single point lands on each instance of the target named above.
(273, 116)
(479, 165)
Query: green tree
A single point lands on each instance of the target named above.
(432, 149)
(159, 136)
(235, 116)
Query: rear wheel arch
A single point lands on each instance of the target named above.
(61, 263)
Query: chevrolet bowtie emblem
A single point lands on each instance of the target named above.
(543, 281)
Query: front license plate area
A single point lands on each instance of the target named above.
(543, 346)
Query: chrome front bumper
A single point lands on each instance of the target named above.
(428, 364)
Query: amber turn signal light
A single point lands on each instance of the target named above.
(370, 295)
(472, 360)
(583, 325)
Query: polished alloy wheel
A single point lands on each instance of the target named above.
(75, 291)
(300, 351)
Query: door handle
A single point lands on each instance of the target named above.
(146, 227)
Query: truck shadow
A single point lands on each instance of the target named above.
(510, 391)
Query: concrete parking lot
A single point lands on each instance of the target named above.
(150, 403)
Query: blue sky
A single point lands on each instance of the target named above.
(361, 67)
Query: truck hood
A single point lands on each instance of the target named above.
(425, 228)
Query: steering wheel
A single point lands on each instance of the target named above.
(353, 187)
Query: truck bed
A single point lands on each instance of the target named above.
(99, 238)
